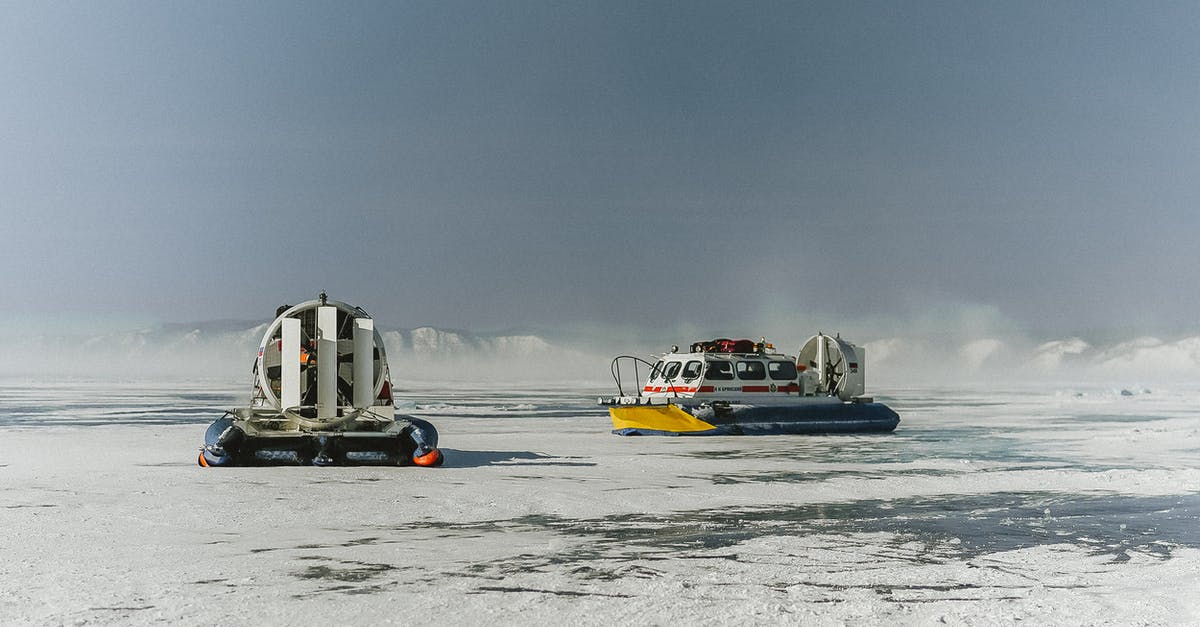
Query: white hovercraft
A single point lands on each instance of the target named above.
(322, 396)
(740, 387)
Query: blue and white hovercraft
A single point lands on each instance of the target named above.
(322, 396)
(741, 387)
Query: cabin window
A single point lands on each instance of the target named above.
(782, 370)
(656, 371)
(720, 371)
(672, 369)
(692, 370)
(751, 370)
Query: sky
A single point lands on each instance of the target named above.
(493, 165)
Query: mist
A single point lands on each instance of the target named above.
(967, 345)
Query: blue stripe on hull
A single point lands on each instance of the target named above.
(816, 418)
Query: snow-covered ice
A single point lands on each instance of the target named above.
(1057, 505)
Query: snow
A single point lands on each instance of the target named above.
(1053, 506)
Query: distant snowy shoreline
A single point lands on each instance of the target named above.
(217, 348)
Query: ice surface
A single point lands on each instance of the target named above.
(1052, 505)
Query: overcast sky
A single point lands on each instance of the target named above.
(487, 165)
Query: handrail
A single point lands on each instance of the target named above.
(615, 368)
(616, 372)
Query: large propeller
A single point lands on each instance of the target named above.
(826, 356)
(833, 376)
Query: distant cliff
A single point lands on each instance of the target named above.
(439, 343)
(227, 348)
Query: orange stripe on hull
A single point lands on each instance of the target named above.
(708, 388)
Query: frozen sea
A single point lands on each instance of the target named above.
(1051, 504)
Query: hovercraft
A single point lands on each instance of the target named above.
(322, 396)
(741, 387)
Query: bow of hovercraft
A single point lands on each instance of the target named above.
(322, 396)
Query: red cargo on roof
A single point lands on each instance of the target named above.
(724, 346)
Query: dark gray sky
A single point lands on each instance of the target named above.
(497, 164)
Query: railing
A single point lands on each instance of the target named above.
(615, 367)
(616, 372)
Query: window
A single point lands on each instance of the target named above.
(672, 370)
(720, 371)
(656, 371)
(782, 370)
(692, 370)
(751, 370)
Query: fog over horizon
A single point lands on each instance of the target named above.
(902, 356)
(609, 173)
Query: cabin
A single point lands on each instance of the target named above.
(753, 372)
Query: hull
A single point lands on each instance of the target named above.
(405, 442)
(813, 418)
